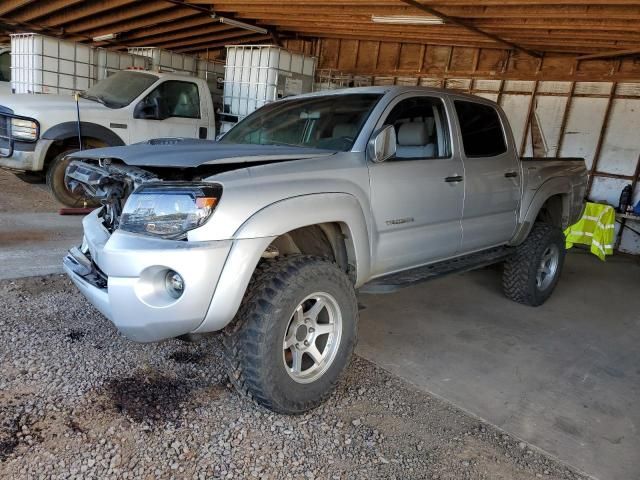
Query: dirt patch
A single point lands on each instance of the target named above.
(19, 196)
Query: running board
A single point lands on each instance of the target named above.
(406, 278)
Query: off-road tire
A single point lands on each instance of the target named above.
(254, 341)
(520, 269)
(55, 182)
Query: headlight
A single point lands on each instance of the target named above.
(24, 129)
(169, 210)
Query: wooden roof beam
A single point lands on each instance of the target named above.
(40, 10)
(251, 38)
(210, 11)
(471, 27)
(9, 6)
(618, 53)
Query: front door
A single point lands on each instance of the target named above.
(417, 196)
(178, 103)
(492, 177)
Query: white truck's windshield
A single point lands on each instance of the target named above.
(329, 122)
(120, 89)
(5, 66)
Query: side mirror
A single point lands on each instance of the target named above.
(148, 110)
(382, 145)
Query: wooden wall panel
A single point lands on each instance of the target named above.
(410, 57)
(388, 56)
(492, 60)
(400, 59)
(368, 56)
(348, 55)
(463, 59)
(329, 51)
(436, 59)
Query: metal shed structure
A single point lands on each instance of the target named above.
(567, 72)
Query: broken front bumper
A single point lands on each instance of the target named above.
(123, 276)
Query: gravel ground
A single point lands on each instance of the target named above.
(77, 400)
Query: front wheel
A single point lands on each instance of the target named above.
(532, 272)
(294, 333)
(58, 185)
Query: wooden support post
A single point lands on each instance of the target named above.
(523, 144)
(565, 118)
(601, 137)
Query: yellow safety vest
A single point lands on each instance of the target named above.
(595, 228)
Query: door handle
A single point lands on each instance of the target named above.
(454, 179)
(511, 174)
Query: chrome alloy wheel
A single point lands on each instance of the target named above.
(548, 267)
(312, 338)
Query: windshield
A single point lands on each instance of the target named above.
(120, 89)
(329, 122)
(5, 67)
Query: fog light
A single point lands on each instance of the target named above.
(174, 284)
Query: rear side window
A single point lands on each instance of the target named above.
(482, 134)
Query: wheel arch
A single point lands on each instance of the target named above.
(338, 216)
(328, 212)
(550, 204)
(65, 135)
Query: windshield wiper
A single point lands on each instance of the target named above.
(95, 98)
(91, 97)
(282, 144)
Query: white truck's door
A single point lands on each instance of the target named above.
(172, 109)
(417, 196)
(492, 177)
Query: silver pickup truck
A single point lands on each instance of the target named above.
(267, 235)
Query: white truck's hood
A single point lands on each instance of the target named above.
(51, 110)
(42, 106)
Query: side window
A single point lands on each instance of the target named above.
(421, 128)
(176, 99)
(5, 67)
(481, 129)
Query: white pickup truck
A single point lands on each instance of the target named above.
(37, 132)
(5, 69)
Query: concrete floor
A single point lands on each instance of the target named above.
(35, 243)
(564, 376)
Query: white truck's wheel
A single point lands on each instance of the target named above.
(294, 333)
(532, 272)
(58, 186)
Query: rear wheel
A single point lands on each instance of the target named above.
(532, 272)
(58, 185)
(294, 333)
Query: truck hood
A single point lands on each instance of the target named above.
(38, 106)
(186, 153)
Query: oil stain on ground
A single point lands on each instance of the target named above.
(149, 397)
(185, 356)
(8, 440)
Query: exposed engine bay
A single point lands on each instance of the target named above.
(111, 182)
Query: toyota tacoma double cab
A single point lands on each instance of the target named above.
(267, 235)
(37, 132)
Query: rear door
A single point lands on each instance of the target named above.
(417, 196)
(492, 176)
